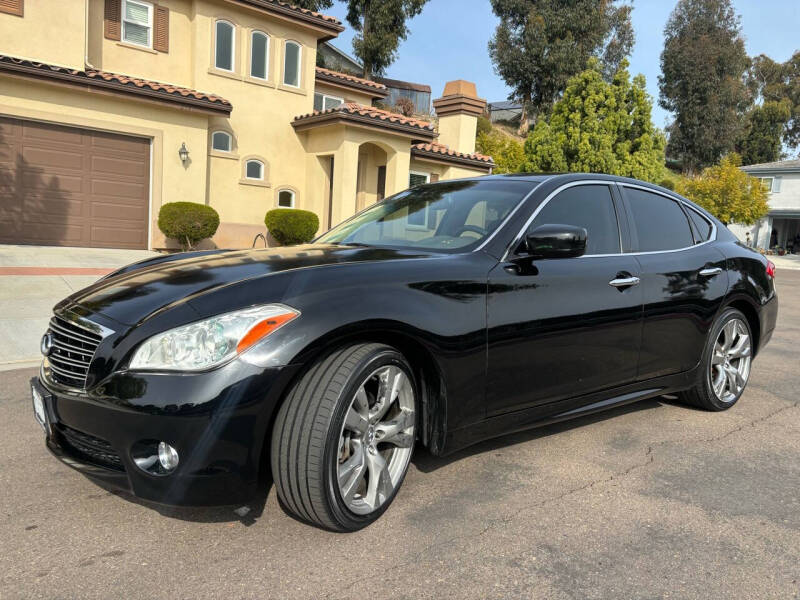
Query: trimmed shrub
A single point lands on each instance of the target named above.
(291, 226)
(187, 222)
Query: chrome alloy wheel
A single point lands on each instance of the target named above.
(730, 362)
(376, 440)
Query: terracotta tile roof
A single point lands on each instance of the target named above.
(115, 81)
(367, 114)
(448, 153)
(296, 11)
(351, 80)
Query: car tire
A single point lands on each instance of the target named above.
(339, 451)
(725, 365)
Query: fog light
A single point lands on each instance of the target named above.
(167, 456)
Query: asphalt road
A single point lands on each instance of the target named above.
(651, 501)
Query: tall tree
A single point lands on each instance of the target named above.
(761, 138)
(780, 82)
(702, 80)
(380, 27)
(540, 44)
(599, 127)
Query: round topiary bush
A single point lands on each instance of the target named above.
(187, 222)
(291, 226)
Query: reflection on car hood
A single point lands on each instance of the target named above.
(132, 296)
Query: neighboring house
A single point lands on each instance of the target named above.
(338, 60)
(111, 108)
(506, 110)
(781, 226)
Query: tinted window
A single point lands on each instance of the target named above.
(259, 53)
(224, 50)
(702, 227)
(659, 222)
(588, 206)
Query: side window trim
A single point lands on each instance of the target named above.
(684, 207)
(512, 247)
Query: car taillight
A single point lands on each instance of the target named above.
(771, 269)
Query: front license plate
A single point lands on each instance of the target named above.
(38, 407)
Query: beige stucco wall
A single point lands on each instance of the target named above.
(51, 31)
(458, 131)
(443, 170)
(166, 127)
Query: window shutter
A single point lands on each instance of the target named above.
(12, 7)
(112, 26)
(161, 29)
(776, 185)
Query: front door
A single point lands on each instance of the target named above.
(684, 280)
(559, 328)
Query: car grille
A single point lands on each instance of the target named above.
(90, 448)
(73, 349)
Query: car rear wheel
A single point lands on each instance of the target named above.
(726, 364)
(343, 438)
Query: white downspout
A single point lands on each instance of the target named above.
(86, 62)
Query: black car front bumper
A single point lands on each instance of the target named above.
(217, 421)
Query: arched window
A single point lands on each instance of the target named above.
(222, 141)
(286, 199)
(254, 169)
(291, 64)
(259, 55)
(224, 42)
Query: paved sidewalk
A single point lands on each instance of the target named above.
(35, 278)
(788, 261)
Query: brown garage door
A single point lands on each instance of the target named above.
(64, 186)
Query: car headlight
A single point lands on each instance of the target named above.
(212, 342)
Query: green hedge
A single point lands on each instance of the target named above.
(187, 222)
(291, 226)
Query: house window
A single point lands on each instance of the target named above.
(767, 183)
(771, 184)
(221, 140)
(223, 51)
(137, 23)
(416, 178)
(291, 64)
(324, 102)
(286, 199)
(259, 55)
(254, 169)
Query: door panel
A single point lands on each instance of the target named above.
(561, 331)
(679, 307)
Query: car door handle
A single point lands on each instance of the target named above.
(624, 282)
(710, 272)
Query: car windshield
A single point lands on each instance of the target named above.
(452, 216)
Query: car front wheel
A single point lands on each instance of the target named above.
(726, 364)
(343, 438)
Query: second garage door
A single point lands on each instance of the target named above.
(64, 186)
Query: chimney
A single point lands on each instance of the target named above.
(458, 111)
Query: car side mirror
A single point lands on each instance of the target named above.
(556, 241)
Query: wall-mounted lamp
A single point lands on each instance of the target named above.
(183, 153)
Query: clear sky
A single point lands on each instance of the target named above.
(448, 41)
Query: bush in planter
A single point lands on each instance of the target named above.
(291, 225)
(187, 222)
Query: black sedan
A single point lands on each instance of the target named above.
(445, 315)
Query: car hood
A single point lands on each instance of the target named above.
(132, 296)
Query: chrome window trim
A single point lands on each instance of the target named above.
(551, 195)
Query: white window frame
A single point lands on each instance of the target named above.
(260, 164)
(427, 176)
(769, 187)
(253, 34)
(427, 214)
(233, 45)
(278, 198)
(148, 25)
(226, 134)
(326, 97)
(299, 63)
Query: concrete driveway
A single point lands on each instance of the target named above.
(35, 278)
(653, 500)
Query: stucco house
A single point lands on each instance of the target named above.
(111, 108)
(780, 228)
